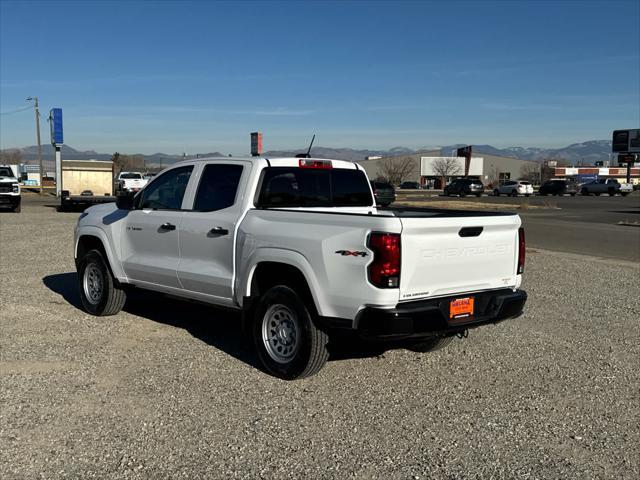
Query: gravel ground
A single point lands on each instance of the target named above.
(167, 389)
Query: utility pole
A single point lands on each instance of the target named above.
(37, 112)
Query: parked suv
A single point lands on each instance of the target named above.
(464, 186)
(514, 188)
(383, 192)
(558, 187)
(606, 185)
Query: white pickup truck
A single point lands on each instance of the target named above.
(299, 246)
(130, 182)
(9, 189)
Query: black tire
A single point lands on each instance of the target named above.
(597, 194)
(109, 298)
(17, 208)
(573, 194)
(527, 194)
(624, 194)
(611, 192)
(478, 195)
(584, 192)
(514, 193)
(282, 304)
(445, 192)
(462, 194)
(430, 344)
(496, 192)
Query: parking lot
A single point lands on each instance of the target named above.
(168, 389)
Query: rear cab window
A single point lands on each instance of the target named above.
(309, 187)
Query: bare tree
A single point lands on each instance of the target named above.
(127, 162)
(11, 157)
(397, 170)
(531, 172)
(445, 167)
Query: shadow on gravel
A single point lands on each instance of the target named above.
(635, 212)
(217, 327)
(65, 285)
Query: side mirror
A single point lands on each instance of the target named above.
(125, 201)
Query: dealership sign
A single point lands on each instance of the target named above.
(55, 122)
(626, 141)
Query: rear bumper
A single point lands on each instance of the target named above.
(430, 318)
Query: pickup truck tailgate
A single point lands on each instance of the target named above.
(445, 256)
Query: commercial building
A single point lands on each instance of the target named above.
(587, 174)
(429, 167)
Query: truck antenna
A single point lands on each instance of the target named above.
(308, 154)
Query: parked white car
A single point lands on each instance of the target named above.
(514, 188)
(300, 248)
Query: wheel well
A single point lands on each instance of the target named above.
(86, 243)
(270, 274)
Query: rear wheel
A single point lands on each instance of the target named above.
(573, 194)
(584, 192)
(514, 193)
(478, 195)
(430, 345)
(611, 192)
(99, 293)
(288, 343)
(463, 194)
(496, 192)
(624, 194)
(527, 194)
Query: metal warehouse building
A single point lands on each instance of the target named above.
(491, 169)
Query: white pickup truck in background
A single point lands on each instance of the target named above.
(131, 182)
(9, 189)
(299, 247)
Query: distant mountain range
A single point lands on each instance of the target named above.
(585, 152)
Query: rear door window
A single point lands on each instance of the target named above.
(218, 187)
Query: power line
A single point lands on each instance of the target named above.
(16, 111)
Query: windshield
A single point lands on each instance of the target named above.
(5, 172)
(130, 176)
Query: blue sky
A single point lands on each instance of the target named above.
(199, 76)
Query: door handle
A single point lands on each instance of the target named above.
(167, 226)
(217, 231)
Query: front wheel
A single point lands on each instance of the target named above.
(584, 192)
(17, 209)
(288, 343)
(99, 293)
(462, 194)
(611, 192)
(624, 194)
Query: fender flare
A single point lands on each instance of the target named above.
(91, 231)
(288, 257)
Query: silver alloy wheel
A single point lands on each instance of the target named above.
(93, 283)
(280, 333)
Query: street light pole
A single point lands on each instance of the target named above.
(37, 112)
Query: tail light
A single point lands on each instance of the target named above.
(384, 271)
(521, 250)
(308, 163)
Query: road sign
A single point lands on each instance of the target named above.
(627, 141)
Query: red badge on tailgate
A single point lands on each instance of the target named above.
(461, 307)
